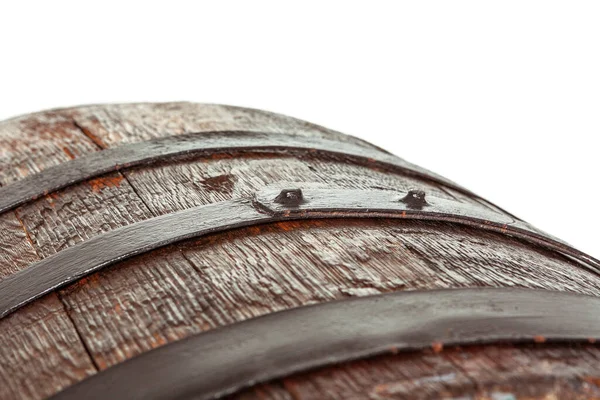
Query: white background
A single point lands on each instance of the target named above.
(501, 97)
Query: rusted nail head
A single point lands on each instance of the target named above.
(290, 197)
(415, 199)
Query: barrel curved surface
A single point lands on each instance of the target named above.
(185, 250)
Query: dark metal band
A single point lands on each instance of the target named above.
(73, 263)
(225, 360)
(102, 162)
(270, 205)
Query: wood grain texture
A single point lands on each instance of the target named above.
(112, 125)
(474, 373)
(40, 350)
(225, 360)
(208, 143)
(71, 264)
(80, 212)
(185, 289)
(188, 183)
(31, 143)
(218, 280)
(51, 224)
(16, 251)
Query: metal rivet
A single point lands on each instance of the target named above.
(290, 197)
(415, 199)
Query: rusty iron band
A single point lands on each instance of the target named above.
(223, 361)
(269, 205)
(110, 160)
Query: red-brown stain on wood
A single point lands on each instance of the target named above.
(221, 183)
(594, 380)
(539, 339)
(159, 340)
(94, 138)
(90, 280)
(51, 198)
(68, 152)
(107, 182)
(219, 156)
(50, 125)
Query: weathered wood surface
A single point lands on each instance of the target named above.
(40, 350)
(225, 360)
(170, 187)
(97, 253)
(114, 125)
(42, 339)
(188, 288)
(474, 373)
(218, 280)
(29, 144)
(208, 144)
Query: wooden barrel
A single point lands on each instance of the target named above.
(181, 250)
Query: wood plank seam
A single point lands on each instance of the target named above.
(94, 139)
(101, 146)
(57, 294)
(78, 331)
